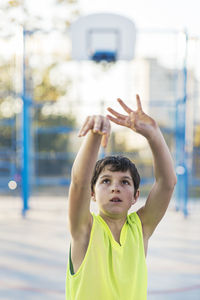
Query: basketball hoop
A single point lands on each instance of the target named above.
(103, 38)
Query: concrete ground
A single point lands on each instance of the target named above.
(33, 252)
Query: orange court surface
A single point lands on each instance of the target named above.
(34, 250)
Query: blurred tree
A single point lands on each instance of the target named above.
(28, 13)
(197, 136)
(15, 3)
(5, 138)
(49, 16)
(45, 90)
(6, 78)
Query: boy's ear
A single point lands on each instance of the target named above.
(93, 196)
(135, 198)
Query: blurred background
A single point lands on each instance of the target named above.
(44, 89)
(45, 95)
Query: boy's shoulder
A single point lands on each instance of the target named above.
(134, 218)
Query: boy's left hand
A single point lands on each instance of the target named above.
(97, 124)
(135, 120)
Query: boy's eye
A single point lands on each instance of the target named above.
(125, 182)
(106, 181)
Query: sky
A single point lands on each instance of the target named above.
(163, 14)
(174, 14)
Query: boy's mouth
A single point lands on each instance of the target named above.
(116, 199)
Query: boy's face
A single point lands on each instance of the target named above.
(114, 192)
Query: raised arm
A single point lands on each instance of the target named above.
(96, 130)
(165, 179)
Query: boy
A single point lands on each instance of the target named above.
(107, 253)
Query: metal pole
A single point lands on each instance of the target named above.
(181, 154)
(25, 134)
(185, 198)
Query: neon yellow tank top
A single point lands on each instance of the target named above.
(111, 271)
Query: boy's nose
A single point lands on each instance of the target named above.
(115, 188)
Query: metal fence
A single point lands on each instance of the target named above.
(43, 99)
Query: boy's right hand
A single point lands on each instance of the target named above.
(97, 124)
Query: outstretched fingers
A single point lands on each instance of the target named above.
(118, 121)
(139, 105)
(116, 114)
(124, 106)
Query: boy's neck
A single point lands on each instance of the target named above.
(115, 225)
(114, 222)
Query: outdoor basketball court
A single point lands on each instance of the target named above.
(33, 252)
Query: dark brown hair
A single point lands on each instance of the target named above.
(116, 163)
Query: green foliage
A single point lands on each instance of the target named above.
(6, 77)
(6, 137)
(67, 1)
(45, 90)
(20, 12)
(197, 136)
(14, 3)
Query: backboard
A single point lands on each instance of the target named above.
(104, 36)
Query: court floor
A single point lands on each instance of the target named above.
(33, 252)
